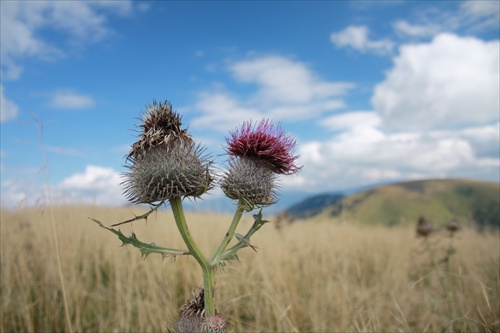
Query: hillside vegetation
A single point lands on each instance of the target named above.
(305, 277)
(312, 205)
(472, 203)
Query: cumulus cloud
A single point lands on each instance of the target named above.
(220, 111)
(96, 185)
(17, 193)
(351, 120)
(284, 81)
(8, 109)
(284, 90)
(364, 154)
(356, 37)
(451, 81)
(67, 99)
(23, 24)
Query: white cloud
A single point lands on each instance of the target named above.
(484, 140)
(284, 90)
(483, 14)
(351, 120)
(403, 27)
(451, 81)
(482, 8)
(8, 109)
(221, 112)
(356, 37)
(362, 155)
(469, 16)
(96, 185)
(24, 22)
(67, 99)
(281, 80)
(15, 194)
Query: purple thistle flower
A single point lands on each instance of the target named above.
(258, 153)
(266, 143)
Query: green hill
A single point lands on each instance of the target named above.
(471, 202)
(312, 206)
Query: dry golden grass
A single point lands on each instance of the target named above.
(315, 276)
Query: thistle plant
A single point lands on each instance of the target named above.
(425, 229)
(165, 166)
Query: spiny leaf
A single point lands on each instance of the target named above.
(145, 248)
(227, 257)
(144, 216)
(243, 241)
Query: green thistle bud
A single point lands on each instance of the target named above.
(250, 180)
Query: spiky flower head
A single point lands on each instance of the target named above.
(192, 318)
(264, 142)
(214, 324)
(187, 324)
(250, 180)
(165, 162)
(257, 154)
(160, 126)
(195, 306)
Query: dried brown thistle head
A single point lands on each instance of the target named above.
(424, 228)
(160, 125)
(453, 226)
(192, 318)
(165, 162)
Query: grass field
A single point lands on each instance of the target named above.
(315, 276)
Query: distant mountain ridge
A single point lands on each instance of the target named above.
(313, 205)
(472, 202)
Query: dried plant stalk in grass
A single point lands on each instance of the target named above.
(425, 229)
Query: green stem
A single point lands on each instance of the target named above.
(207, 269)
(229, 234)
(244, 241)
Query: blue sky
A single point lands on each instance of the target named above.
(373, 91)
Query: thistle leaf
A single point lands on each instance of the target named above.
(145, 248)
(243, 241)
(239, 237)
(144, 216)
